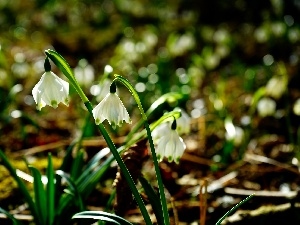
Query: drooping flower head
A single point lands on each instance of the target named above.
(84, 73)
(160, 131)
(170, 145)
(266, 107)
(276, 86)
(50, 90)
(183, 126)
(183, 123)
(296, 107)
(111, 109)
(233, 133)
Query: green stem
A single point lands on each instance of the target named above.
(64, 67)
(122, 166)
(62, 64)
(155, 161)
(158, 176)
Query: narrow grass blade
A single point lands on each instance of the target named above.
(50, 191)
(154, 200)
(77, 165)
(88, 183)
(234, 208)
(100, 214)
(39, 195)
(93, 172)
(11, 217)
(95, 160)
(68, 158)
(84, 185)
(21, 185)
(72, 191)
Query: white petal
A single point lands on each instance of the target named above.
(37, 94)
(160, 131)
(183, 123)
(50, 90)
(112, 109)
(180, 147)
(170, 146)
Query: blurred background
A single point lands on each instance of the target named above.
(235, 63)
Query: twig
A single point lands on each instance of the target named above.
(176, 220)
(87, 143)
(259, 158)
(203, 201)
(236, 191)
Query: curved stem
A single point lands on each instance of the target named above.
(62, 64)
(155, 161)
(64, 67)
(122, 166)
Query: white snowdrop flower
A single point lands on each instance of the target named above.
(160, 131)
(183, 127)
(236, 135)
(170, 145)
(266, 107)
(296, 107)
(111, 109)
(84, 73)
(183, 123)
(50, 90)
(276, 86)
(108, 69)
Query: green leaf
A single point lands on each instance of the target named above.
(77, 165)
(154, 200)
(11, 217)
(72, 192)
(86, 182)
(21, 185)
(92, 165)
(68, 158)
(256, 96)
(50, 191)
(39, 195)
(96, 158)
(99, 215)
(89, 182)
(89, 220)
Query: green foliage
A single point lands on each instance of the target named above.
(102, 216)
(221, 54)
(49, 204)
(32, 206)
(153, 199)
(13, 219)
